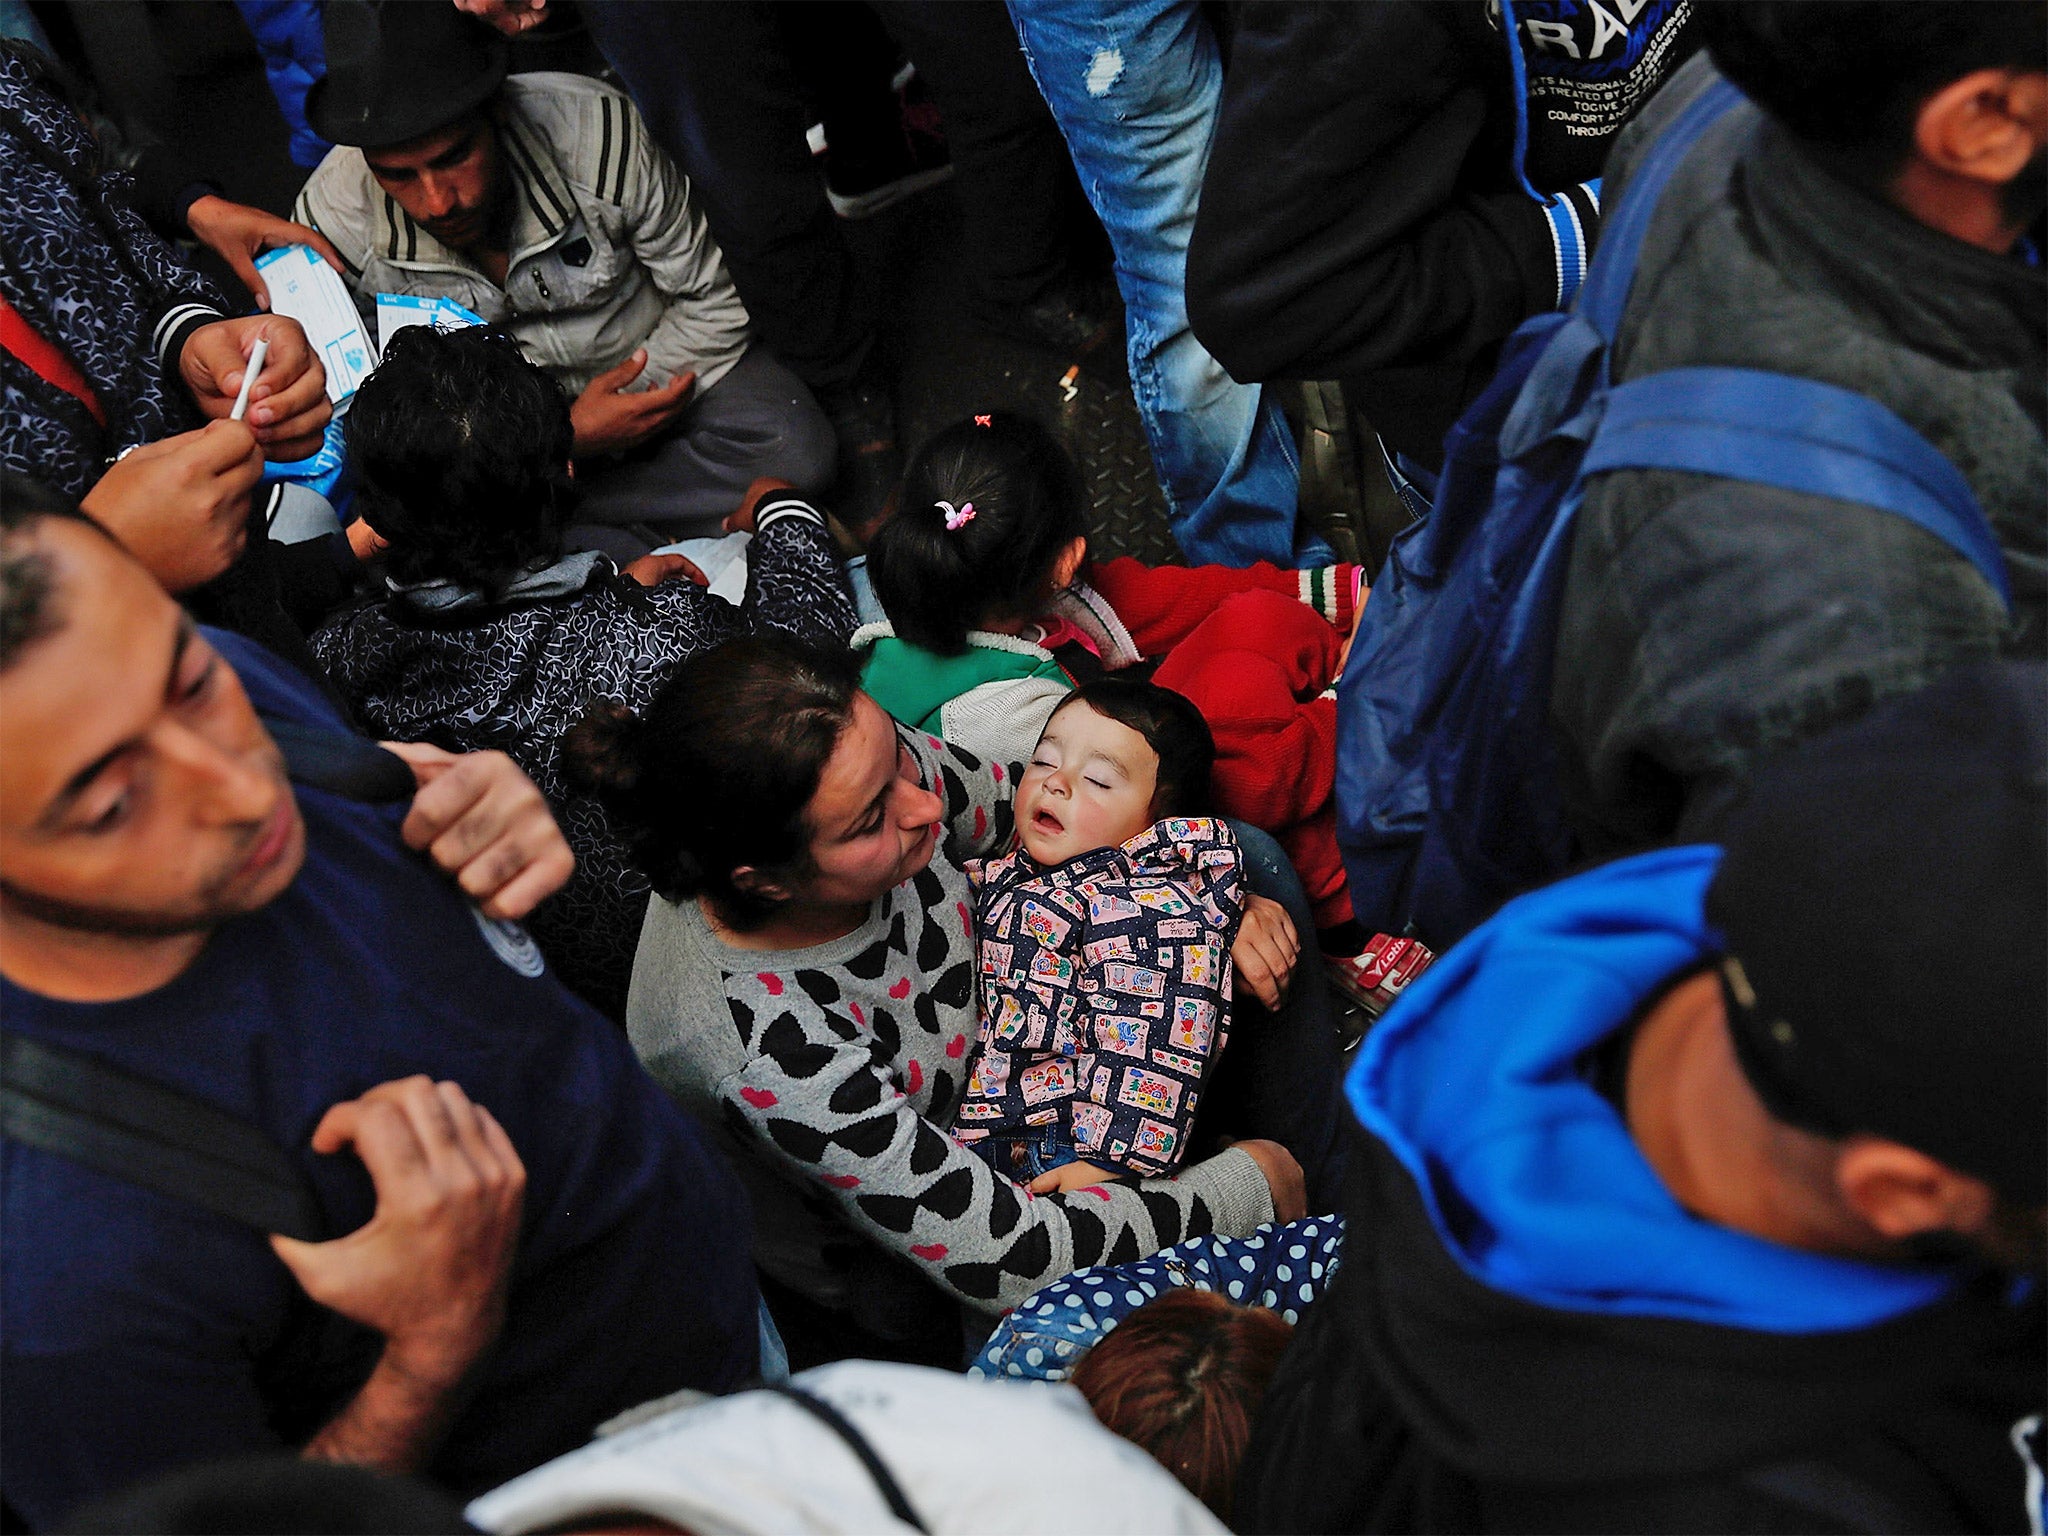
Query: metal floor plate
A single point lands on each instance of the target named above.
(945, 367)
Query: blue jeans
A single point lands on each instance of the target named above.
(1026, 1153)
(1134, 86)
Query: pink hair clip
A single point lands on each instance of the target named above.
(982, 421)
(956, 517)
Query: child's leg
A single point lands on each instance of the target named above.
(1312, 849)
(1162, 604)
(1279, 1075)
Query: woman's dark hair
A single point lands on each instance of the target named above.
(1172, 727)
(718, 771)
(463, 447)
(1848, 77)
(1182, 1378)
(937, 583)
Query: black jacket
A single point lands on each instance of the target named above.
(1707, 623)
(1361, 217)
(1413, 1398)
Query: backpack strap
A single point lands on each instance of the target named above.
(341, 763)
(1800, 435)
(1605, 293)
(885, 1480)
(109, 1119)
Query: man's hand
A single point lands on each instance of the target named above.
(510, 17)
(288, 407)
(652, 570)
(742, 521)
(235, 232)
(1266, 951)
(609, 420)
(479, 817)
(181, 505)
(365, 542)
(1283, 1178)
(427, 1271)
(1074, 1175)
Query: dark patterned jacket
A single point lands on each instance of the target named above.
(78, 263)
(514, 679)
(1105, 993)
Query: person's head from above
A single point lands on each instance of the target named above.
(990, 525)
(142, 803)
(1865, 1073)
(1941, 108)
(1115, 757)
(463, 446)
(408, 85)
(1182, 1379)
(761, 779)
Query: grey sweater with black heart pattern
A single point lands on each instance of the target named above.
(831, 1071)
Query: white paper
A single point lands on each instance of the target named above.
(312, 293)
(723, 559)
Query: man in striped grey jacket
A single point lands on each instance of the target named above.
(541, 204)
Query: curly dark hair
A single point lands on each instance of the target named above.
(463, 447)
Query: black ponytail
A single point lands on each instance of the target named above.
(936, 582)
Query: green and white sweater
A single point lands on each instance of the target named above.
(831, 1071)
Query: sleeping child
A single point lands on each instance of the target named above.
(1105, 946)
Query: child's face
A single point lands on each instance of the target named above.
(1089, 785)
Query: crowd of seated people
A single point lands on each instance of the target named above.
(567, 1001)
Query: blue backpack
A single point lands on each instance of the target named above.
(1449, 797)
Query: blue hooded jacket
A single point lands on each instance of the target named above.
(1474, 1082)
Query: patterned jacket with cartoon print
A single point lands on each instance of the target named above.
(1105, 990)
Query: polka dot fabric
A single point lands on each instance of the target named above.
(1282, 1268)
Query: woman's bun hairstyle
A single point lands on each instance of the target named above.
(716, 773)
(601, 752)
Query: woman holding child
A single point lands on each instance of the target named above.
(806, 981)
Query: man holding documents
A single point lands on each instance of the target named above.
(541, 204)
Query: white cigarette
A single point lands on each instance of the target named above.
(256, 355)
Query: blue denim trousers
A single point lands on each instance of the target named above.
(1134, 86)
(1026, 1153)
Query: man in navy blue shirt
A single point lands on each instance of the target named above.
(525, 1236)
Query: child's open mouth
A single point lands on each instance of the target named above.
(1045, 821)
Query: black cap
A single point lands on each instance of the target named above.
(398, 70)
(1884, 900)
